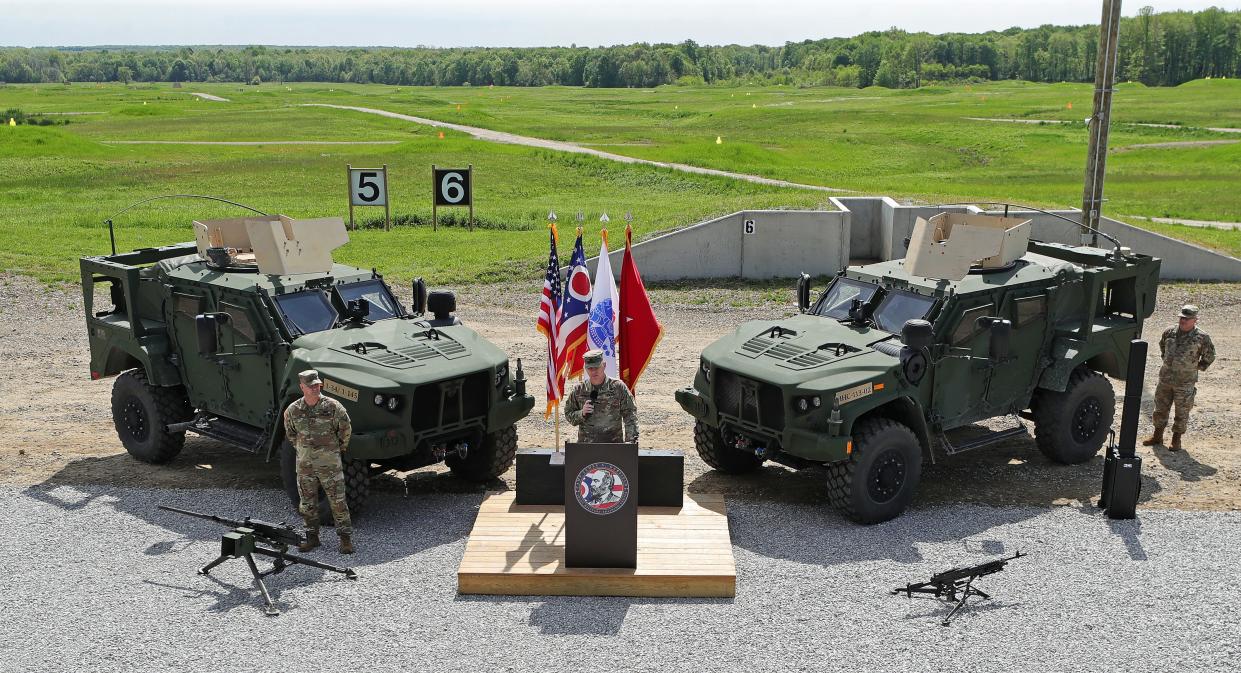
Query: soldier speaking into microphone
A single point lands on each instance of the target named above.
(601, 406)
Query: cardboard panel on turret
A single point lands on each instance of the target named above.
(285, 246)
(948, 244)
(601, 505)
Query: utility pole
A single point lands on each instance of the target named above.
(1100, 121)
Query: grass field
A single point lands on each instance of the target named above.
(58, 183)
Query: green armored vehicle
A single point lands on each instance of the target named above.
(208, 337)
(887, 359)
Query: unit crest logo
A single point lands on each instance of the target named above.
(602, 488)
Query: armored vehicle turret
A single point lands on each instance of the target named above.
(886, 360)
(208, 337)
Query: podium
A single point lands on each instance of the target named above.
(601, 486)
(662, 472)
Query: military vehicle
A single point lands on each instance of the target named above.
(897, 353)
(208, 337)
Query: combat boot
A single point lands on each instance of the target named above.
(1155, 439)
(312, 541)
(1176, 442)
(346, 543)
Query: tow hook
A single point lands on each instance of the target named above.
(441, 451)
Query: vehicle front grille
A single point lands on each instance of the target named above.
(758, 403)
(452, 401)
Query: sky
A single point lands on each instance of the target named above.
(521, 23)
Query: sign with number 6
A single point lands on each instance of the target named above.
(452, 187)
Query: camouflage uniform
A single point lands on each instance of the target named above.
(320, 433)
(1184, 355)
(613, 404)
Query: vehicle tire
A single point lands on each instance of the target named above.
(715, 452)
(489, 461)
(1070, 427)
(357, 483)
(140, 411)
(879, 480)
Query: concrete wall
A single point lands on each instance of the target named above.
(787, 242)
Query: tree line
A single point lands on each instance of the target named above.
(1157, 49)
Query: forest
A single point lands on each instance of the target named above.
(1157, 49)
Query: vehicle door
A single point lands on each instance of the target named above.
(246, 344)
(961, 373)
(1027, 309)
(204, 379)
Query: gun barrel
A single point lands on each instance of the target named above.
(200, 515)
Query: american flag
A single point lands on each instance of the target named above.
(549, 322)
(574, 312)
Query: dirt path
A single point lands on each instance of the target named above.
(248, 143)
(514, 139)
(57, 426)
(1173, 145)
(210, 97)
(1216, 129)
(1210, 224)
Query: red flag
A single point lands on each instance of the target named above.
(639, 332)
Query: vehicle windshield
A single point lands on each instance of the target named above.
(306, 311)
(383, 305)
(898, 307)
(835, 303)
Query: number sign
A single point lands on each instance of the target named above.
(452, 187)
(748, 226)
(368, 187)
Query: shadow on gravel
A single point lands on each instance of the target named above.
(393, 527)
(584, 615)
(229, 597)
(1183, 464)
(938, 614)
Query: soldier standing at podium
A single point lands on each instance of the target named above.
(601, 406)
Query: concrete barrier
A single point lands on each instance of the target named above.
(782, 243)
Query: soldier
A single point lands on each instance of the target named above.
(1186, 351)
(319, 429)
(599, 405)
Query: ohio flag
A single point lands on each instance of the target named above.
(574, 311)
(601, 332)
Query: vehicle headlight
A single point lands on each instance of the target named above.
(706, 369)
(802, 404)
(379, 399)
(816, 401)
(501, 374)
(393, 403)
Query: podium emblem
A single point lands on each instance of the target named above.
(602, 488)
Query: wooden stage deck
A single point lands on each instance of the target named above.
(518, 550)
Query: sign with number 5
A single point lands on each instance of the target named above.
(368, 187)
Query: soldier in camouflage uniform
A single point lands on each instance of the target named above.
(319, 429)
(1186, 351)
(601, 420)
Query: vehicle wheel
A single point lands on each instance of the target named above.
(1070, 427)
(357, 483)
(715, 452)
(486, 462)
(878, 483)
(140, 412)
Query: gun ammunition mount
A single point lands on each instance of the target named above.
(955, 582)
(254, 536)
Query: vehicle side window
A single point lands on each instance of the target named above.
(239, 320)
(967, 327)
(1030, 309)
(187, 304)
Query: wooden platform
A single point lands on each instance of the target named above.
(518, 550)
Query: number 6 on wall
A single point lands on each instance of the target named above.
(452, 187)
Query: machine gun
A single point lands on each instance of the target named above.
(959, 580)
(255, 536)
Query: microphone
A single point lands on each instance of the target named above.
(594, 395)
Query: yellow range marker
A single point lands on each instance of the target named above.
(518, 550)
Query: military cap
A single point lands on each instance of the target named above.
(309, 377)
(593, 358)
(1189, 311)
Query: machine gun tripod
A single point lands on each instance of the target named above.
(255, 536)
(957, 581)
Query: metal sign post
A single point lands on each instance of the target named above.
(368, 187)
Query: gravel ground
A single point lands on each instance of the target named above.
(97, 579)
